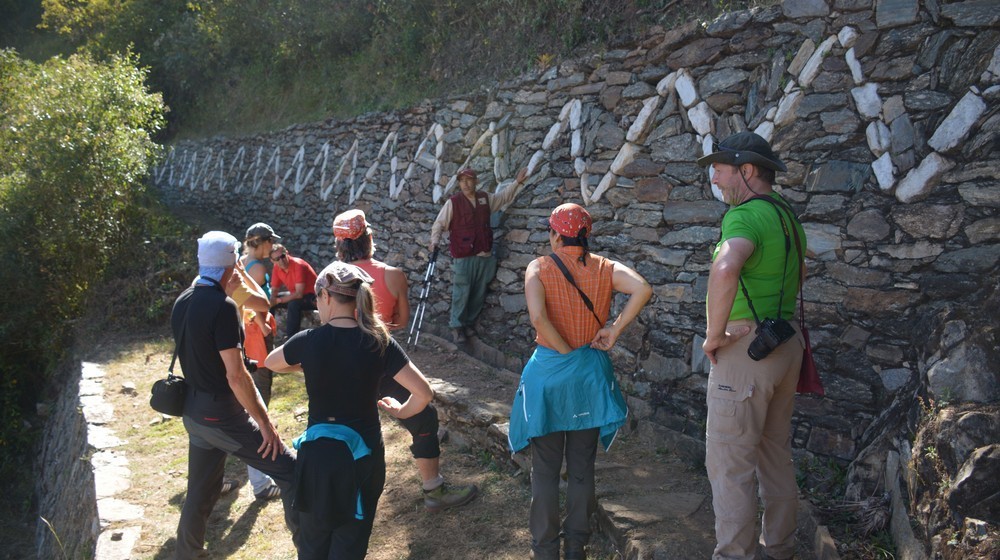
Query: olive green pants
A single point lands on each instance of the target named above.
(470, 277)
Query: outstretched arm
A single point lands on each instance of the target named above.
(505, 196)
(276, 362)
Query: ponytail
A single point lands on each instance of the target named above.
(368, 321)
(581, 240)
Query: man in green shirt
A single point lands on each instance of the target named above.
(751, 386)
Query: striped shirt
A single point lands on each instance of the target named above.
(563, 304)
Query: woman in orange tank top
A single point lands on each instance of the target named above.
(569, 398)
(353, 237)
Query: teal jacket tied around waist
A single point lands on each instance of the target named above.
(339, 432)
(566, 392)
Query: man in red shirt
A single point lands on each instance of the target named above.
(298, 278)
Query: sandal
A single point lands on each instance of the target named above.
(269, 493)
(228, 486)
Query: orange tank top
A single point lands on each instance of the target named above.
(563, 304)
(385, 302)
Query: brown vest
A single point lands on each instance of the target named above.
(470, 232)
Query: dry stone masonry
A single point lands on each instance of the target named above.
(885, 111)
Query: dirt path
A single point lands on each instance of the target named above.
(493, 526)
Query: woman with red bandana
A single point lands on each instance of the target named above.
(568, 398)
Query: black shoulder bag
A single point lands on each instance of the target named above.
(569, 277)
(167, 395)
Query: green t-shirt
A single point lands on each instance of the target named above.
(757, 221)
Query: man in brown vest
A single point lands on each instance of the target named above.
(466, 216)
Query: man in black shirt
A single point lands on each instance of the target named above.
(223, 412)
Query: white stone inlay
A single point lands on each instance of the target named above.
(867, 99)
(956, 126)
(884, 172)
(686, 90)
(919, 182)
(811, 69)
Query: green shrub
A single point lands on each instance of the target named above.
(75, 146)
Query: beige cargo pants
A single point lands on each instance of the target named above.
(749, 434)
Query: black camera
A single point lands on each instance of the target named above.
(771, 333)
(250, 364)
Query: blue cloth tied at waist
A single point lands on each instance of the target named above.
(343, 433)
(566, 392)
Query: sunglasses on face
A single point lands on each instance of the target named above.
(280, 258)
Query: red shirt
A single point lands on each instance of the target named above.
(299, 272)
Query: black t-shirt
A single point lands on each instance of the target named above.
(212, 326)
(343, 368)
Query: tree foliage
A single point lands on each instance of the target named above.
(75, 147)
(267, 63)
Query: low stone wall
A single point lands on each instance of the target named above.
(65, 484)
(885, 112)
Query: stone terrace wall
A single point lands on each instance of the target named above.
(65, 481)
(885, 112)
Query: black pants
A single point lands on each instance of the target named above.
(218, 427)
(293, 318)
(579, 448)
(326, 494)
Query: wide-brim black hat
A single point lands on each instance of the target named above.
(744, 147)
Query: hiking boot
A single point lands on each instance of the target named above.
(228, 486)
(271, 492)
(458, 335)
(447, 496)
(470, 331)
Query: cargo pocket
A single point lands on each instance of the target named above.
(726, 410)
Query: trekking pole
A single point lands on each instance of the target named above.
(425, 290)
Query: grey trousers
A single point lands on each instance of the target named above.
(232, 432)
(547, 452)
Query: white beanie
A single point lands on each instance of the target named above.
(217, 249)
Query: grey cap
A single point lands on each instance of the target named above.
(217, 249)
(261, 230)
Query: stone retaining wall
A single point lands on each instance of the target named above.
(65, 483)
(885, 112)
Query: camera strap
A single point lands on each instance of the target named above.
(569, 277)
(788, 243)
